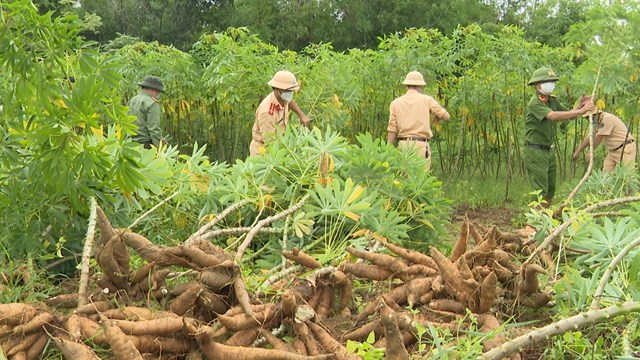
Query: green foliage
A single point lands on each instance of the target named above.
(366, 350)
(345, 207)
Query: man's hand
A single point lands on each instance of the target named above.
(575, 156)
(304, 120)
(586, 105)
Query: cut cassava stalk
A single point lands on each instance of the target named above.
(148, 212)
(562, 227)
(592, 135)
(251, 234)
(237, 230)
(610, 268)
(86, 252)
(196, 236)
(560, 327)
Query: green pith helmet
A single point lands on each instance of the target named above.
(152, 82)
(543, 74)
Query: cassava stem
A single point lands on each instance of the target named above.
(560, 327)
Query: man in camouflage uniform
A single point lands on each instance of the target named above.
(146, 107)
(621, 148)
(273, 112)
(542, 114)
(410, 117)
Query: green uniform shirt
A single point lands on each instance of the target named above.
(147, 109)
(539, 130)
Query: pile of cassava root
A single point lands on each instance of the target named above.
(211, 315)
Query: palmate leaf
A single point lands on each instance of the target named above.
(301, 225)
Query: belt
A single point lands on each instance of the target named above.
(623, 144)
(538, 146)
(413, 139)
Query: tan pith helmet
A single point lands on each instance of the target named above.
(284, 80)
(414, 78)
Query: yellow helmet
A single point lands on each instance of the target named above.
(284, 80)
(414, 78)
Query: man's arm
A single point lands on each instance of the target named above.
(585, 105)
(304, 120)
(583, 145)
(391, 137)
(153, 124)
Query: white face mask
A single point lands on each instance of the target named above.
(286, 96)
(547, 88)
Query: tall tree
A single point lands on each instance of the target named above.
(175, 22)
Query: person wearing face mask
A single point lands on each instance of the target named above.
(146, 107)
(621, 147)
(273, 112)
(410, 117)
(543, 112)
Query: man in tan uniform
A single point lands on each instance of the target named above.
(410, 117)
(273, 112)
(619, 143)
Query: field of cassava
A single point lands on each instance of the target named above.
(334, 244)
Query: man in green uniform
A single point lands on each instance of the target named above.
(542, 114)
(146, 107)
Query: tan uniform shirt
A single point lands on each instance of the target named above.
(613, 131)
(410, 115)
(270, 117)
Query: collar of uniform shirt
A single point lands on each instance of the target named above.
(274, 107)
(543, 99)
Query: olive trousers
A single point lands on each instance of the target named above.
(541, 169)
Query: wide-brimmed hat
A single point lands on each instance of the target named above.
(284, 80)
(152, 82)
(414, 78)
(543, 74)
